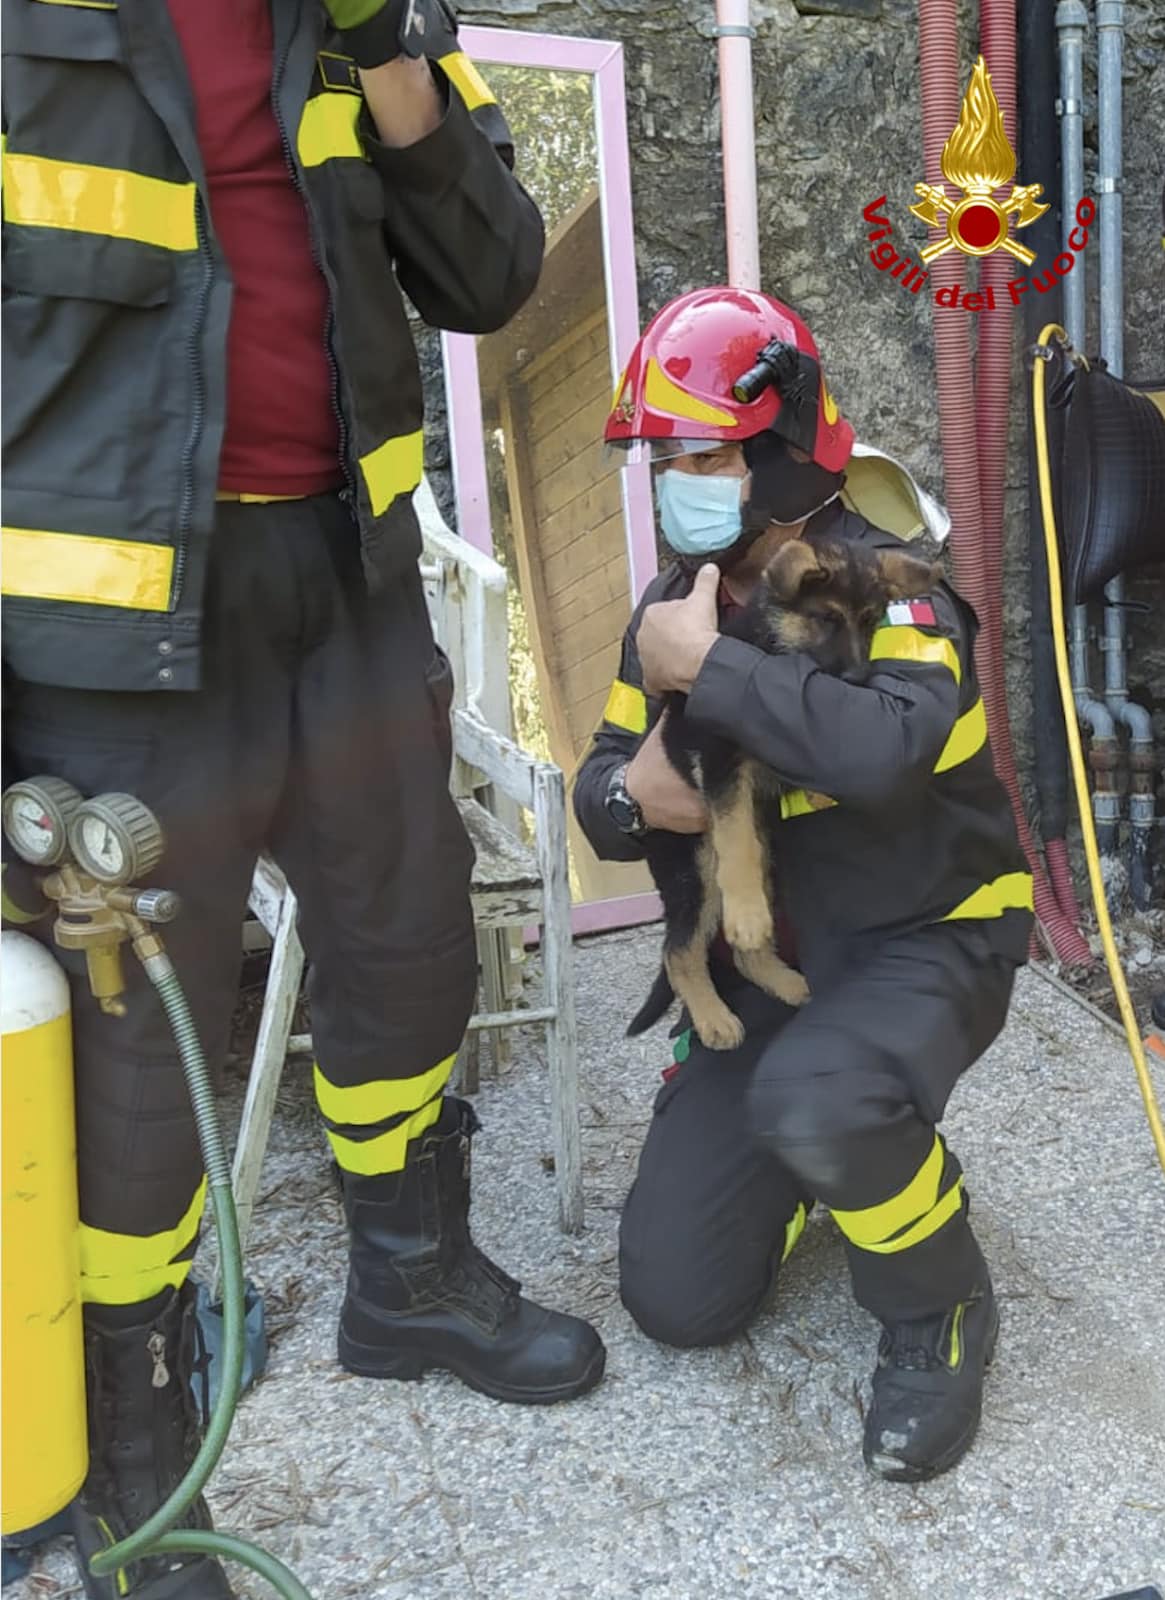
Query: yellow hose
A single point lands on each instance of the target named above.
(1075, 749)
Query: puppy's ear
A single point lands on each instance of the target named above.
(906, 576)
(793, 568)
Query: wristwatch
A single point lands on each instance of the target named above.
(624, 811)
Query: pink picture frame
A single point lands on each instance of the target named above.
(603, 61)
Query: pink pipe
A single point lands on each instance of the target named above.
(974, 435)
(738, 143)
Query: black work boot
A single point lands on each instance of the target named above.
(928, 1389)
(422, 1295)
(143, 1434)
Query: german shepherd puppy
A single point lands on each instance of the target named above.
(825, 598)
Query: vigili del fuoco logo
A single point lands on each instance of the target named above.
(977, 161)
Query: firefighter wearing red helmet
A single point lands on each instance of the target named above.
(905, 898)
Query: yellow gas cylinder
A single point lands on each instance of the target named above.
(45, 1454)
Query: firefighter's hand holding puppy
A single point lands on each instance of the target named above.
(675, 635)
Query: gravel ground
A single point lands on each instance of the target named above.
(731, 1472)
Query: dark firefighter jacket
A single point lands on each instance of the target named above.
(893, 819)
(117, 298)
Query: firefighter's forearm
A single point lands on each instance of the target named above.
(405, 100)
(466, 237)
(862, 744)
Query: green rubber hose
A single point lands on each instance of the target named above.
(158, 1534)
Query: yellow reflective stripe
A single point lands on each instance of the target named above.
(327, 128)
(122, 1268)
(42, 193)
(41, 565)
(793, 1231)
(393, 468)
(84, 5)
(968, 736)
(626, 707)
(955, 1348)
(366, 1103)
(466, 79)
(939, 1213)
(661, 394)
(385, 1153)
(872, 1224)
(1012, 892)
(803, 802)
(900, 642)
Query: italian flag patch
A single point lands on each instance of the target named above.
(907, 613)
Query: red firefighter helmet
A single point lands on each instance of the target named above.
(718, 366)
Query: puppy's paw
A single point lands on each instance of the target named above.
(748, 924)
(766, 969)
(719, 1028)
(791, 987)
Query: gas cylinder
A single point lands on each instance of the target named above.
(42, 1366)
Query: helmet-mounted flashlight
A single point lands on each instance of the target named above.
(778, 365)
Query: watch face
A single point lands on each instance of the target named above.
(622, 812)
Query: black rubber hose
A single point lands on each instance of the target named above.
(1039, 162)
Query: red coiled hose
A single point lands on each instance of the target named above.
(973, 418)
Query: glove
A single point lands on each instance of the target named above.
(378, 31)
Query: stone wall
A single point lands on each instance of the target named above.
(838, 123)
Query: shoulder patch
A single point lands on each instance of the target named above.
(908, 613)
(338, 72)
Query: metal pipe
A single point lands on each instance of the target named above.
(738, 143)
(1110, 23)
(1071, 24)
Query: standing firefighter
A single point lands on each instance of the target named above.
(212, 435)
(898, 869)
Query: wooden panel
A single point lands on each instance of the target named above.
(583, 430)
(554, 491)
(588, 677)
(565, 356)
(588, 552)
(570, 397)
(596, 632)
(579, 599)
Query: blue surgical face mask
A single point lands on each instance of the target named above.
(699, 513)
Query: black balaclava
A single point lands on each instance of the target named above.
(783, 489)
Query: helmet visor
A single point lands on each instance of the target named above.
(630, 452)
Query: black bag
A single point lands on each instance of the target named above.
(1112, 484)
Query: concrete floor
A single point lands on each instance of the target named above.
(734, 1472)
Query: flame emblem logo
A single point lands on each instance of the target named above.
(978, 159)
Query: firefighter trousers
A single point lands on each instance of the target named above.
(320, 734)
(837, 1102)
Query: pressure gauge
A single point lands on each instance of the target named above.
(37, 813)
(116, 839)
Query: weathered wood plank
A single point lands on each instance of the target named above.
(586, 678)
(531, 579)
(559, 361)
(283, 980)
(569, 398)
(503, 861)
(585, 555)
(561, 1032)
(562, 445)
(554, 491)
(597, 632)
(579, 600)
(498, 758)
